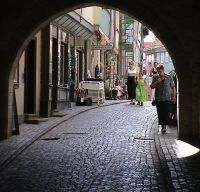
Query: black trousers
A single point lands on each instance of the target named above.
(131, 86)
(163, 110)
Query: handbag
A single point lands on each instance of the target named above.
(126, 83)
(153, 102)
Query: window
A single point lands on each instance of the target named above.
(162, 57)
(152, 57)
(158, 57)
(166, 57)
(147, 58)
(62, 65)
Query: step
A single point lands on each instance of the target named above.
(58, 114)
(55, 110)
(73, 104)
(35, 120)
(27, 116)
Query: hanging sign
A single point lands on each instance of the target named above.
(102, 47)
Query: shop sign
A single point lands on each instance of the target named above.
(102, 47)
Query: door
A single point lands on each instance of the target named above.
(54, 74)
(80, 66)
(30, 78)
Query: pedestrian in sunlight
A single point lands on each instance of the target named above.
(165, 93)
(131, 74)
(141, 90)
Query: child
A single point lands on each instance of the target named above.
(141, 91)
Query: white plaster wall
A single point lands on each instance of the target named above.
(96, 14)
(38, 71)
(88, 14)
(20, 90)
(91, 14)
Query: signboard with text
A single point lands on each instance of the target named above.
(102, 47)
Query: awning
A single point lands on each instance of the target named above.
(73, 23)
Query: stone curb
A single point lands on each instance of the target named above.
(162, 159)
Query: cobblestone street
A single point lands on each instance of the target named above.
(112, 148)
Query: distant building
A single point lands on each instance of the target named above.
(131, 43)
(155, 51)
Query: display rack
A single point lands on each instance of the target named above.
(96, 86)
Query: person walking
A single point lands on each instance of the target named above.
(141, 91)
(153, 73)
(131, 74)
(97, 72)
(165, 93)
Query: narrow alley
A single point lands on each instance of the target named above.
(111, 148)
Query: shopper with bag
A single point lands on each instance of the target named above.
(165, 93)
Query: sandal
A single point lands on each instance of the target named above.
(163, 129)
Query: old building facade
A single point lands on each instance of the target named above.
(69, 48)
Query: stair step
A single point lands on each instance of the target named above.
(35, 120)
(27, 116)
(73, 104)
(58, 114)
(55, 110)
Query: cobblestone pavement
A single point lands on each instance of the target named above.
(184, 168)
(11, 147)
(113, 148)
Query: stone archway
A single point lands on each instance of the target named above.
(174, 22)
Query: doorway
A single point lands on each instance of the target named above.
(80, 67)
(30, 78)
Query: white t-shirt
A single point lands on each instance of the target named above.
(132, 73)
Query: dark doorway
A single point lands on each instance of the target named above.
(30, 78)
(72, 75)
(54, 74)
(80, 66)
(64, 66)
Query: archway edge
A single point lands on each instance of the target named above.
(161, 17)
(145, 12)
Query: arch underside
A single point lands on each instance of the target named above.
(173, 22)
